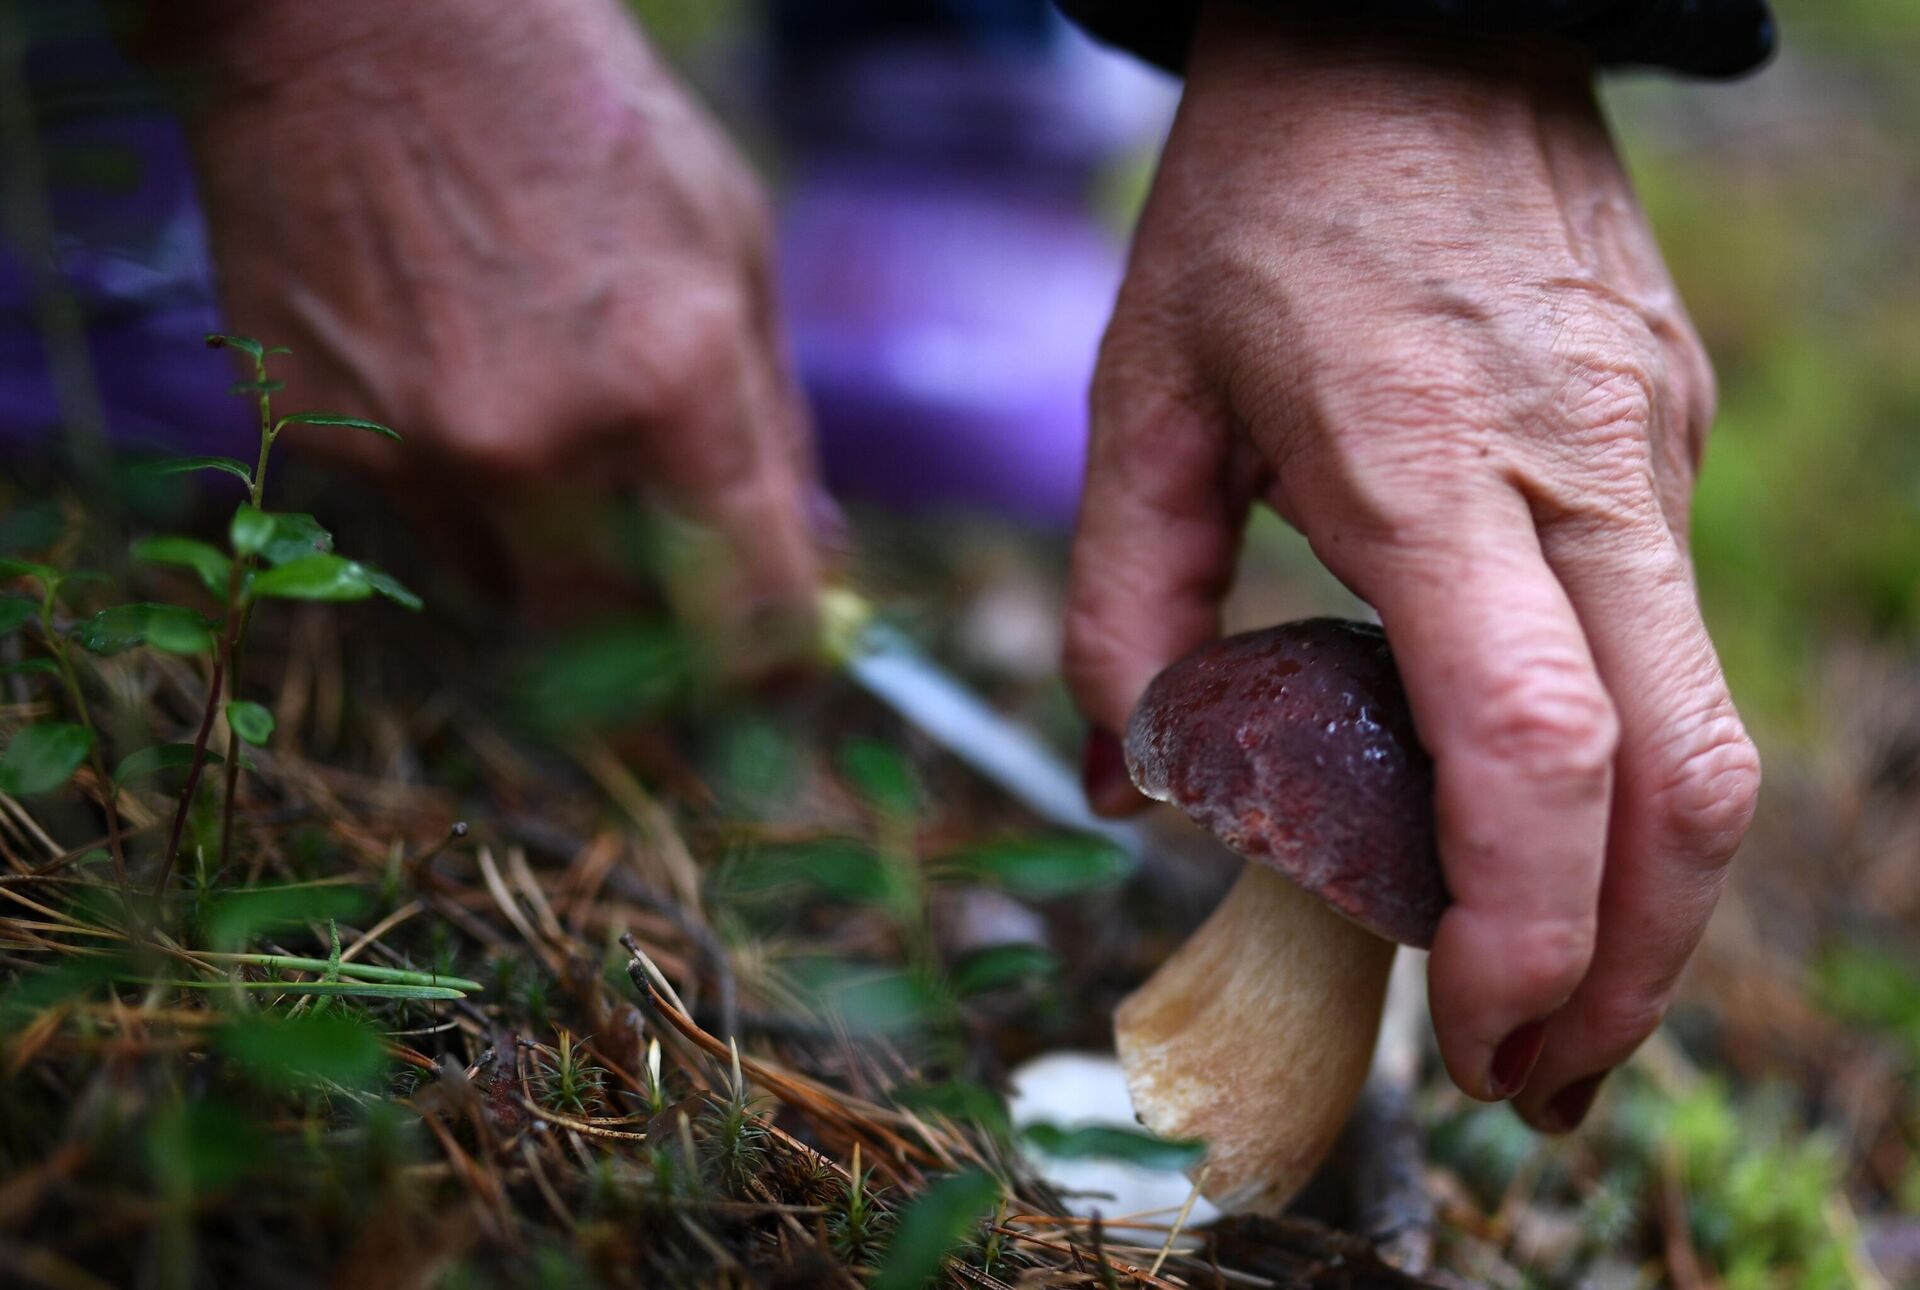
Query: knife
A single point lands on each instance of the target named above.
(883, 662)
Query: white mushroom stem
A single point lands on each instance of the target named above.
(1255, 1037)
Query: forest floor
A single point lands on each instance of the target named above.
(555, 963)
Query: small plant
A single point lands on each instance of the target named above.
(860, 1225)
(300, 564)
(524, 987)
(736, 1138)
(567, 1081)
(918, 996)
(44, 756)
(657, 1100)
(271, 556)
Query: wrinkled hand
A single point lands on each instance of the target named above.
(511, 235)
(1402, 291)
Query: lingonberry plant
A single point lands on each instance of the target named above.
(301, 565)
(270, 555)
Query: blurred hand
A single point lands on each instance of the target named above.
(1401, 290)
(507, 231)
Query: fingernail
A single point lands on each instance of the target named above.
(1565, 1109)
(1513, 1060)
(1103, 775)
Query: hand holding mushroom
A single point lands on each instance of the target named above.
(1400, 289)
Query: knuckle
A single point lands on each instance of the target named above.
(1090, 647)
(755, 228)
(1549, 957)
(499, 452)
(1706, 802)
(1703, 388)
(1550, 723)
(1618, 394)
(1702, 399)
(1599, 469)
(490, 437)
(678, 370)
(1617, 1022)
(728, 467)
(1092, 658)
(753, 210)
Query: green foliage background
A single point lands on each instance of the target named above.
(1787, 205)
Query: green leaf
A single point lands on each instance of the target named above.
(999, 966)
(203, 558)
(165, 627)
(31, 525)
(279, 537)
(241, 915)
(27, 995)
(256, 388)
(197, 1147)
(604, 676)
(43, 757)
(160, 757)
(289, 1052)
(363, 972)
(841, 868)
(183, 465)
(330, 419)
(1044, 868)
(1872, 985)
(315, 577)
(1111, 1142)
(250, 721)
(15, 611)
(331, 973)
(944, 1217)
(294, 537)
(389, 586)
(362, 989)
(31, 666)
(873, 1000)
(10, 567)
(883, 775)
(245, 344)
(250, 530)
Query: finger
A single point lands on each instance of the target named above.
(1684, 793)
(794, 429)
(1509, 703)
(727, 460)
(1155, 542)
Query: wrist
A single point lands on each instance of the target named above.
(1309, 66)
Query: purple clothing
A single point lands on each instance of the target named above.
(129, 245)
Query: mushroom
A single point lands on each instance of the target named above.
(1295, 747)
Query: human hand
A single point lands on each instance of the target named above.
(507, 231)
(1398, 286)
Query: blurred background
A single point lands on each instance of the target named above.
(947, 267)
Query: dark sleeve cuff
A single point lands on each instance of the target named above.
(1717, 38)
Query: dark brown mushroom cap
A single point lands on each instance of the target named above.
(1295, 747)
